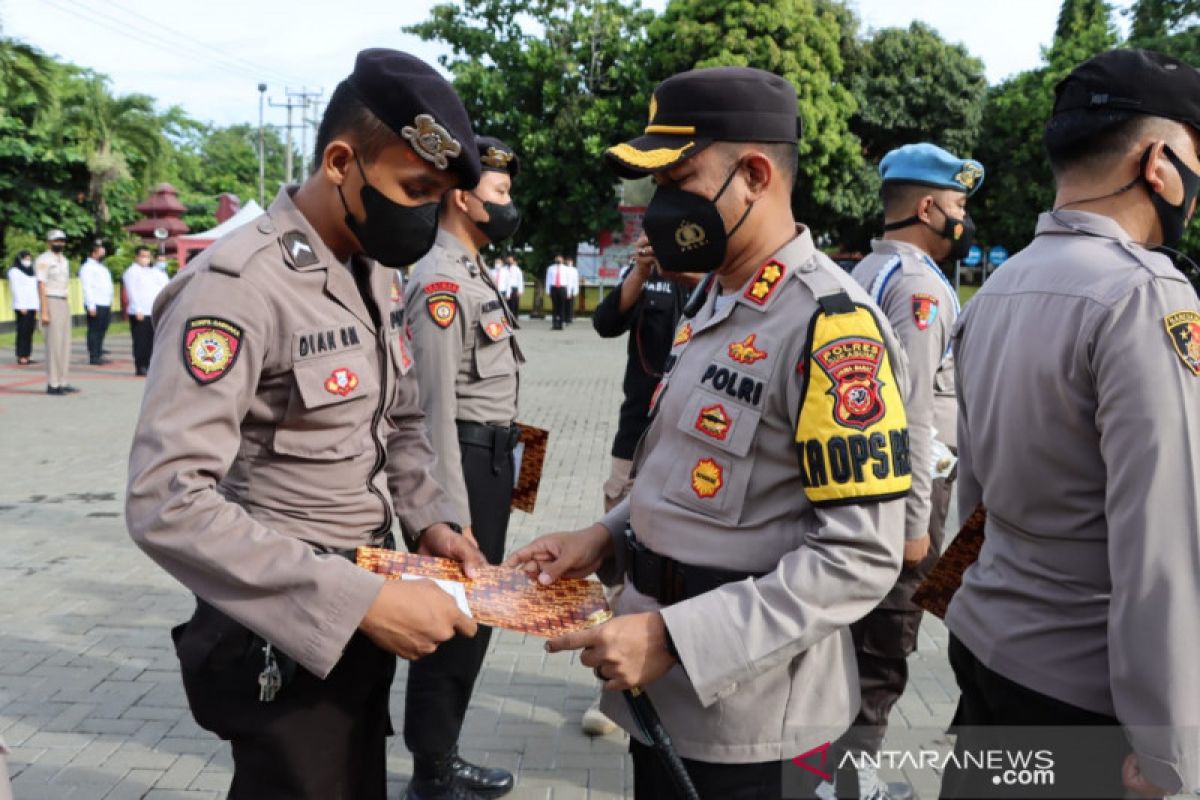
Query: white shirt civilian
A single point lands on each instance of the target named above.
(142, 285)
(97, 284)
(24, 290)
(500, 278)
(557, 275)
(571, 276)
(516, 279)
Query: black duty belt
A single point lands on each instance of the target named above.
(500, 439)
(670, 581)
(388, 542)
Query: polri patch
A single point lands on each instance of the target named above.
(744, 352)
(925, 310)
(683, 335)
(1184, 329)
(442, 308)
(210, 348)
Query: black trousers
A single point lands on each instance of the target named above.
(558, 304)
(318, 739)
(143, 342)
(761, 781)
(514, 303)
(568, 308)
(27, 322)
(1087, 748)
(97, 327)
(440, 685)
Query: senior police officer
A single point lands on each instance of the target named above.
(467, 359)
(281, 429)
(925, 190)
(54, 283)
(767, 507)
(1078, 370)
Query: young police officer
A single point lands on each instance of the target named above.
(1078, 369)
(767, 507)
(280, 430)
(467, 358)
(925, 192)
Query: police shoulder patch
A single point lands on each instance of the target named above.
(1184, 329)
(441, 301)
(924, 309)
(211, 346)
(852, 430)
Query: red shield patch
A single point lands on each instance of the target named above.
(442, 308)
(1184, 329)
(341, 382)
(925, 310)
(852, 365)
(210, 348)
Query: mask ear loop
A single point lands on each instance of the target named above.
(721, 192)
(339, 187)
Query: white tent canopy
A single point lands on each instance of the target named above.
(194, 241)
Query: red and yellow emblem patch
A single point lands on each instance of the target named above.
(852, 365)
(442, 308)
(341, 382)
(714, 421)
(744, 352)
(1184, 329)
(494, 330)
(925, 310)
(707, 478)
(210, 348)
(765, 282)
(683, 335)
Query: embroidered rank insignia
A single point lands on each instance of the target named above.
(341, 382)
(1184, 329)
(494, 330)
(431, 141)
(714, 421)
(210, 348)
(443, 308)
(765, 282)
(683, 335)
(707, 478)
(299, 250)
(852, 431)
(925, 310)
(744, 352)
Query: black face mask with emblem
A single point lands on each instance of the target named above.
(502, 222)
(686, 229)
(395, 235)
(960, 232)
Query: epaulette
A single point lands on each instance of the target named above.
(231, 254)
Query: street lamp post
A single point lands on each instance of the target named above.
(262, 164)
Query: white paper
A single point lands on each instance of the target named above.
(941, 458)
(452, 588)
(518, 456)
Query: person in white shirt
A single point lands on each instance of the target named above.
(22, 281)
(572, 275)
(499, 277)
(97, 285)
(516, 286)
(558, 280)
(142, 284)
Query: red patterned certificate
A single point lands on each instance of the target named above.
(503, 598)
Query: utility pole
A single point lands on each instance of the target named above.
(307, 99)
(262, 161)
(296, 100)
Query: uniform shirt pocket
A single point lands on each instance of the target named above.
(330, 409)
(494, 355)
(719, 423)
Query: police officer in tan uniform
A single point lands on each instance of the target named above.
(467, 359)
(1078, 369)
(54, 284)
(925, 190)
(767, 507)
(281, 429)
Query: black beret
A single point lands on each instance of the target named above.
(421, 106)
(1134, 81)
(691, 110)
(496, 156)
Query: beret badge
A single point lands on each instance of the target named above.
(431, 141)
(496, 158)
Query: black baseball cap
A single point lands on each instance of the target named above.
(1132, 81)
(421, 106)
(691, 110)
(496, 156)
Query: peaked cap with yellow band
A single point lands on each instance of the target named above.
(691, 110)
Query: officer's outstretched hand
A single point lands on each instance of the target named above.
(574, 554)
(1136, 782)
(623, 652)
(442, 541)
(411, 618)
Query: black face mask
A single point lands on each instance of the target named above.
(960, 232)
(1173, 218)
(686, 229)
(57, 248)
(395, 235)
(502, 221)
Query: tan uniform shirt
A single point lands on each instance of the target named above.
(1078, 374)
(279, 421)
(768, 668)
(53, 270)
(920, 303)
(467, 355)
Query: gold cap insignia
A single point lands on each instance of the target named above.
(431, 141)
(969, 175)
(496, 158)
(653, 109)
(689, 236)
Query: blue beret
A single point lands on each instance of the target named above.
(930, 165)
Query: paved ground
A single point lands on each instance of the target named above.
(90, 698)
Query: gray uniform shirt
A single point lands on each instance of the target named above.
(922, 308)
(466, 354)
(279, 422)
(768, 669)
(1078, 372)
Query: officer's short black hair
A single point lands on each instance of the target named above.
(1086, 138)
(141, 248)
(347, 114)
(899, 196)
(784, 155)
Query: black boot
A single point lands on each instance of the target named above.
(452, 778)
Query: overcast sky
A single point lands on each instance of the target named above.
(209, 56)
